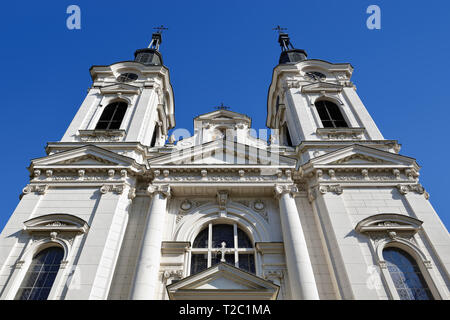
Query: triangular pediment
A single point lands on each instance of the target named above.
(322, 86)
(223, 114)
(359, 155)
(222, 152)
(120, 88)
(223, 281)
(86, 156)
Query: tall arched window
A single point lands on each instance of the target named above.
(112, 116)
(41, 274)
(222, 243)
(330, 114)
(406, 275)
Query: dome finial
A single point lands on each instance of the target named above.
(157, 37)
(151, 55)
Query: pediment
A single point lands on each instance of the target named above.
(120, 88)
(223, 115)
(88, 159)
(223, 281)
(222, 152)
(321, 86)
(358, 155)
(388, 222)
(86, 156)
(56, 222)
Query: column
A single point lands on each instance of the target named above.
(301, 275)
(147, 269)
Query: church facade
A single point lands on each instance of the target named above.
(326, 208)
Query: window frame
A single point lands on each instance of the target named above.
(422, 274)
(235, 249)
(40, 273)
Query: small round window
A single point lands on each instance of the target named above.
(127, 77)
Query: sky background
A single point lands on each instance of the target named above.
(225, 51)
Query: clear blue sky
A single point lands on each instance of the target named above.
(224, 51)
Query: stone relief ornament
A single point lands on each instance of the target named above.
(186, 205)
(118, 188)
(258, 205)
(39, 189)
(101, 135)
(335, 188)
(163, 189)
(418, 188)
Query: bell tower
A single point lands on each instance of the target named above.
(314, 100)
(128, 102)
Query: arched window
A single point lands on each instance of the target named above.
(112, 116)
(330, 114)
(41, 274)
(222, 243)
(406, 275)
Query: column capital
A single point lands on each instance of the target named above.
(163, 189)
(281, 189)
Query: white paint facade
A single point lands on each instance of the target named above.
(126, 207)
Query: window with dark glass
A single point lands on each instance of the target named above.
(406, 275)
(286, 136)
(127, 77)
(112, 116)
(41, 274)
(154, 136)
(330, 115)
(222, 241)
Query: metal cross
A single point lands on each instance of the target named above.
(279, 29)
(222, 107)
(160, 28)
(223, 251)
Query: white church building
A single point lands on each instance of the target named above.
(326, 208)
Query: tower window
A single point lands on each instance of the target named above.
(406, 275)
(222, 243)
(41, 274)
(330, 114)
(112, 116)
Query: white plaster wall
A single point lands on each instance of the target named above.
(129, 252)
(315, 249)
